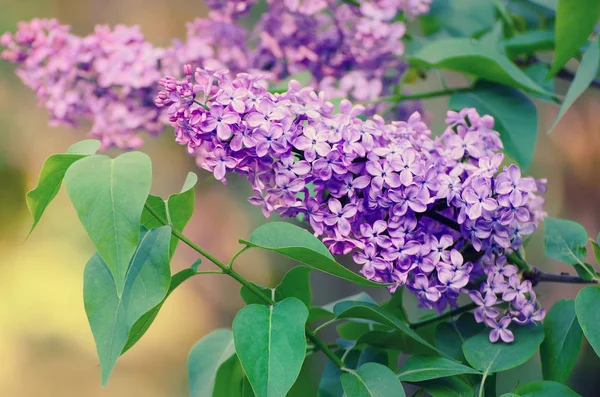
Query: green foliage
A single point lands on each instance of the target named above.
(177, 209)
(298, 244)
(448, 387)
(562, 342)
(565, 241)
(588, 315)
(479, 60)
(295, 283)
(421, 368)
(271, 345)
(372, 380)
(111, 316)
(529, 43)
(574, 24)
(545, 389)
(459, 18)
(52, 174)
(205, 359)
(109, 196)
(585, 75)
(489, 357)
(449, 337)
(515, 116)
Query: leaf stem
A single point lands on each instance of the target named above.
(240, 252)
(240, 279)
(451, 313)
(325, 324)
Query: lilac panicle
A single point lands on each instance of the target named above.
(437, 215)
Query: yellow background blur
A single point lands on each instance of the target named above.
(46, 347)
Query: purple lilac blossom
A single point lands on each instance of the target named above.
(412, 210)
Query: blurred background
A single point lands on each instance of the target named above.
(46, 347)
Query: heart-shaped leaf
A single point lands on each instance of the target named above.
(146, 283)
(205, 359)
(271, 345)
(565, 240)
(298, 244)
(545, 389)
(562, 342)
(421, 368)
(109, 196)
(587, 307)
(372, 380)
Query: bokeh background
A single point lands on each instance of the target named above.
(46, 347)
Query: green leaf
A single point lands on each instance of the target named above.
(588, 69)
(369, 311)
(460, 18)
(562, 343)
(205, 358)
(177, 209)
(573, 26)
(515, 116)
(465, 56)
(530, 42)
(545, 389)
(146, 284)
(53, 172)
(489, 357)
(271, 345)
(296, 284)
(109, 196)
(304, 78)
(229, 379)
(565, 240)
(298, 244)
(139, 328)
(587, 307)
(421, 368)
(447, 387)
(538, 72)
(449, 337)
(549, 4)
(596, 249)
(372, 380)
(250, 297)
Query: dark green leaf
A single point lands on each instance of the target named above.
(489, 357)
(372, 380)
(585, 271)
(295, 283)
(545, 389)
(250, 297)
(466, 56)
(515, 117)
(449, 340)
(316, 313)
(360, 297)
(369, 311)
(588, 69)
(143, 323)
(298, 244)
(421, 368)
(549, 4)
(573, 27)
(596, 249)
(587, 307)
(330, 384)
(228, 382)
(271, 345)
(538, 72)
(204, 361)
(53, 172)
(109, 196)
(459, 18)
(146, 284)
(447, 387)
(565, 240)
(353, 330)
(562, 343)
(529, 42)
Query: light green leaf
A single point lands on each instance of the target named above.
(205, 359)
(562, 343)
(296, 284)
(298, 244)
(515, 117)
(529, 42)
(588, 69)
(489, 357)
(545, 389)
(477, 59)
(421, 368)
(109, 196)
(177, 209)
(447, 387)
(146, 283)
(369, 311)
(53, 172)
(587, 307)
(565, 240)
(139, 328)
(372, 380)
(574, 25)
(271, 345)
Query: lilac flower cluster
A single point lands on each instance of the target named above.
(434, 214)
